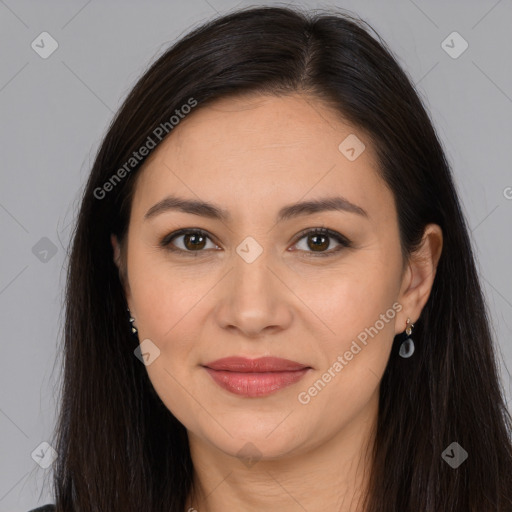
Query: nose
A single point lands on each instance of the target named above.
(255, 300)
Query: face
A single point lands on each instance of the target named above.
(261, 280)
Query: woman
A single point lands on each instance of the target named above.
(272, 300)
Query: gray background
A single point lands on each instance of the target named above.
(55, 111)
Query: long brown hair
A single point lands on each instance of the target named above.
(119, 448)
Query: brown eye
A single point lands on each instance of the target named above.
(316, 241)
(187, 241)
(194, 241)
(319, 240)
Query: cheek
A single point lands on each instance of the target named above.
(357, 303)
(164, 294)
(352, 297)
(357, 308)
(360, 309)
(167, 301)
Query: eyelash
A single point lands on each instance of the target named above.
(343, 241)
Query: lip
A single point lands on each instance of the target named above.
(261, 364)
(255, 377)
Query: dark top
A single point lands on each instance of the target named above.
(45, 508)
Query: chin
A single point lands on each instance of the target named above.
(260, 439)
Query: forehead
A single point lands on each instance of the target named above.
(253, 149)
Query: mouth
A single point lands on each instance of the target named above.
(255, 377)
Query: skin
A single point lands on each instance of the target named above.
(252, 155)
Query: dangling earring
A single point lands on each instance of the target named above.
(134, 329)
(407, 347)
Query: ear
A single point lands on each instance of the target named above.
(419, 275)
(118, 260)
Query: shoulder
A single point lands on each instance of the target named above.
(45, 508)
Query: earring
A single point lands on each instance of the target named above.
(134, 329)
(407, 347)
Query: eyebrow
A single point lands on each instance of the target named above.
(209, 210)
